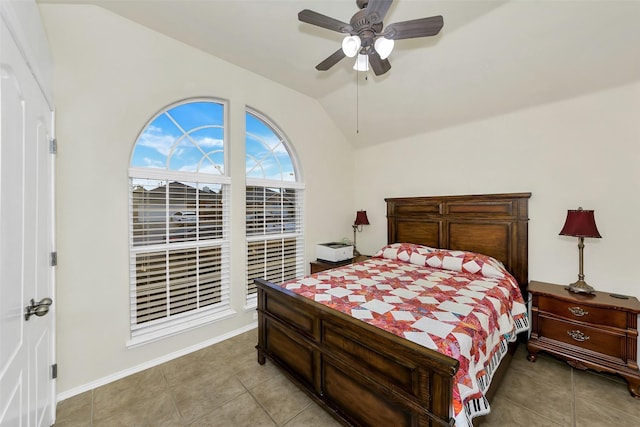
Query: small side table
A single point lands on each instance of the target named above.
(321, 265)
(597, 332)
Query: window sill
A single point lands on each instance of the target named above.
(251, 303)
(168, 331)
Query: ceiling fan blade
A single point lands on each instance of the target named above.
(422, 27)
(324, 21)
(377, 9)
(378, 65)
(332, 60)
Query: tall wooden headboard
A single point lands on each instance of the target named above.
(491, 224)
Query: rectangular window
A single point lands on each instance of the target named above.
(179, 254)
(275, 249)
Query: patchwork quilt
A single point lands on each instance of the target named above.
(462, 304)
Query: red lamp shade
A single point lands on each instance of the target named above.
(580, 223)
(361, 218)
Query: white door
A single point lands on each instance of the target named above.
(27, 390)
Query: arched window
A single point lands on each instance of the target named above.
(274, 201)
(179, 220)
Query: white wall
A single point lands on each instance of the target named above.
(111, 77)
(579, 152)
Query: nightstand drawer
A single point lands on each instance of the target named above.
(583, 313)
(595, 331)
(597, 340)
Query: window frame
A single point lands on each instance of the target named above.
(297, 185)
(169, 325)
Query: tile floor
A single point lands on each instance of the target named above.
(223, 385)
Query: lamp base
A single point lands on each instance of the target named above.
(581, 287)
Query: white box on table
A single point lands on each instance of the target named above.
(334, 251)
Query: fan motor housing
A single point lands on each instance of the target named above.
(363, 27)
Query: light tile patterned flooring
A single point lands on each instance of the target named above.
(223, 385)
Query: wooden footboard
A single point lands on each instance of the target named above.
(361, 374)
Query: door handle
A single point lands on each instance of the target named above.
(39, 308)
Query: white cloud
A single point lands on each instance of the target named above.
(271, 142)
(209, 142)
(153, 163)
(153, 137)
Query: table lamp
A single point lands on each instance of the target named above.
(580, 223)
(361, 219)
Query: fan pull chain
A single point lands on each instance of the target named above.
(366, 77)
(357, 106)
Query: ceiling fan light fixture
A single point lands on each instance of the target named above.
(362, 63)
(384, 46)
(351, 45)
(365, 34)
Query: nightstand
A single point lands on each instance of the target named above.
(597, 332)
(321, 265)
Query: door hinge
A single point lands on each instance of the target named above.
(54, 371)
(54, 259)
(53, 146)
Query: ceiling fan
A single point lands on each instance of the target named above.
(366, 37)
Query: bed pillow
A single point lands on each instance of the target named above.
(407, 252)
(462, 261)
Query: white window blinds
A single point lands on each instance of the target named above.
(275, 246)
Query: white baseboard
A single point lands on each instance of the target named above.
(151, 363)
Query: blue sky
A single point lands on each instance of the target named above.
(190, 137)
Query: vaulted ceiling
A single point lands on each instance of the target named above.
(491, 57)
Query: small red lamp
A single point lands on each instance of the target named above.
(361, 219)
(580, 223)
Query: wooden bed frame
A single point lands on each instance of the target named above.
(365, 376)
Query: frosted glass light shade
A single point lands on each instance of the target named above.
(362, 63)
(351, 45)
(384, 46)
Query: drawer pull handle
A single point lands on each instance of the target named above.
(578, 312)
(578, 335)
